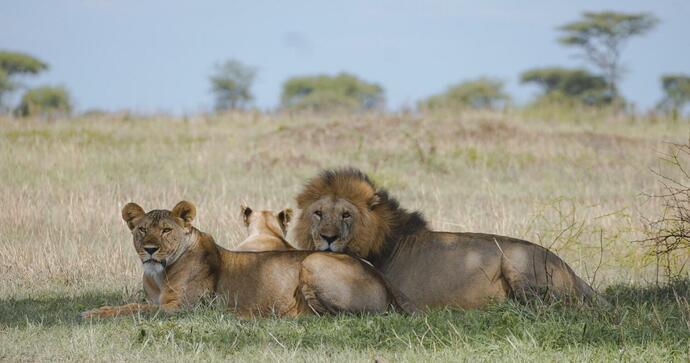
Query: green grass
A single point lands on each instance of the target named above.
(643, 324)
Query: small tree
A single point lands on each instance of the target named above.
(231, 82)
(343, 92)
(14, 64)
(601, 37)
(45, 101)
(574, 84)
(482, 93)
(676, 93)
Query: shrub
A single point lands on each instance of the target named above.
(343, 92)
(482, 93)
(45, 101)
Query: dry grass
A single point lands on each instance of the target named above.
(575, 187)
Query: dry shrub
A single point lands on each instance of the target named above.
(669, 235)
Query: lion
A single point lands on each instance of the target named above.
(342, 210)
(182, 265)
(266, 230)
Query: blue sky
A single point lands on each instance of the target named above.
(151, 56)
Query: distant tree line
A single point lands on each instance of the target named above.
(598, 38)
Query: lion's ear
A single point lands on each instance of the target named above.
(284, 218)
(130, 212)
(375, 200)
(246, 213)
(185, 211)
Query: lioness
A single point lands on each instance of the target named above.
(182, 264)
(266, 230)
(343, 211)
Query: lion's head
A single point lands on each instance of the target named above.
(343, 211)
(160, 236)
(266, 218)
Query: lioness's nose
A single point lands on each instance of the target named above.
(151, 250)
(329, 239)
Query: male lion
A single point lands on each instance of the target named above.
(183, 264)
(266, 230)
(343, 211)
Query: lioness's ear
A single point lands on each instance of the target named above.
(246, 212)
(130, 212)
(284, 218)
(185, 211)
(374, 201)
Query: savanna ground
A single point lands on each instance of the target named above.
(575, 185)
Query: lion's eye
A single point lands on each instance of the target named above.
(166, 230)
(346, 215)
(142, 229)
(318, 213)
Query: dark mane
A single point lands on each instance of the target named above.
(330, 176)
(403, 224)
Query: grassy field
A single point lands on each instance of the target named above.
(576, 186)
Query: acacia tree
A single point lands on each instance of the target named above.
(676, 92)
(13, 65)
(575, 84)
(231, 82)
(601, 37)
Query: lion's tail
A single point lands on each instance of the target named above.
(587, 292)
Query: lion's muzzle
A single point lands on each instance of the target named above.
(327, 242)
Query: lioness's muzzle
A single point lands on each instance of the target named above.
(151, 260)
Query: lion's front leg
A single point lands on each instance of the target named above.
(129, 309)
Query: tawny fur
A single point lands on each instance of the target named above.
(433, 269)
(183, 264)
(266, 231)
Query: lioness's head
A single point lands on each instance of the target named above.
(342, 211)
(266, 218)
(160, 236)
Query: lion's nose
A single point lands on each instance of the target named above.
(329, 239)
(151, 250)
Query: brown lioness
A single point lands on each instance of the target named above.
(182, 264)
(266, 230)
(343, 211)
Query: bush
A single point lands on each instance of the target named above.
(45, 101)
(482, 93)
(676, 93)
(344, 92)
(568, 86)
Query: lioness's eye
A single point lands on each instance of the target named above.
(166, 230)
(142, 229)
(318, 213)
(346, 215)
